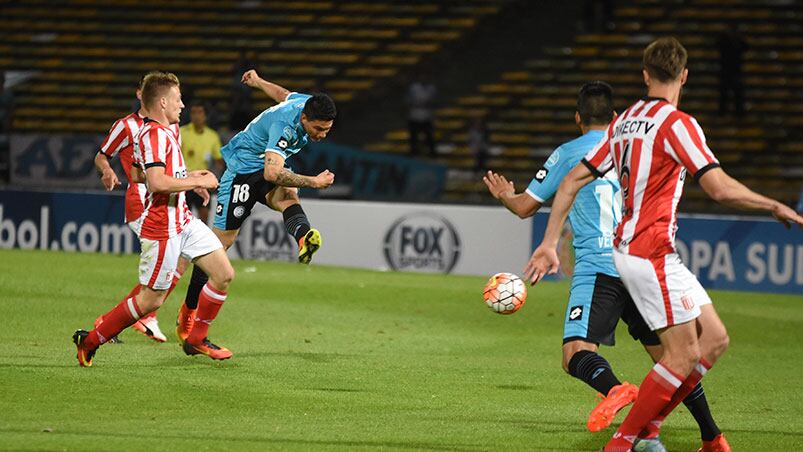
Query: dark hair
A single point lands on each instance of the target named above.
(198, 103)
(665, 59)
(320, 107)
(595, 103)
(155, 85)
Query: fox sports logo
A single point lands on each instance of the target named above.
(422, 242)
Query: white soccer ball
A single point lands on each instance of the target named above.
(505, 293)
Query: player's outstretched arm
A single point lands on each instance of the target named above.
(160, 182)
(544, 260)
(730, 192)
(520, 204)
(107, 174)
(274, 91)
(276, 173)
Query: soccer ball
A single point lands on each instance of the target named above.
(505, 293)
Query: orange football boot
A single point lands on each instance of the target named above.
(84, 354)
(184, 322)
(718, 444)
(207, 348)
(618, 397)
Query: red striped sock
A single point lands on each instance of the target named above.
(134, 292)
(654, 394)
(654, 427)
(209, 303)
(119, 318)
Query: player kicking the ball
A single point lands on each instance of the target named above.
(651, 146)
(256, 173)
(167, 231)
(597, 298)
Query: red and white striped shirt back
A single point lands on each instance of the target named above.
(120, 141)
(651, 145)
(165, 214)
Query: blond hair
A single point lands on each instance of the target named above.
(155, 85)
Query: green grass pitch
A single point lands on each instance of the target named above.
(339, 359)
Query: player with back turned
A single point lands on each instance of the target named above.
(597, 298)
(652, 146)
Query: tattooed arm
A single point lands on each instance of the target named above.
(276, 173)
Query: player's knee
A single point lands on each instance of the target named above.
(222, 278)
(720, 344)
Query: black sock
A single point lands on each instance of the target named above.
(594, 370)
(197, 282)
(296, 222)
(698, 407)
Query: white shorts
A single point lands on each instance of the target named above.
(159, 258)
(665, 292)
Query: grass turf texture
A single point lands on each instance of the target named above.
(339, 359)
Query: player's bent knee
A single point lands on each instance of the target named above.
(571, 348)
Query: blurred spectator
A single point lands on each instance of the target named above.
(241, 107)
(731, 56)
(201, 148)
(6, 117)
(479, 142)
(420, 98)
(598, 16)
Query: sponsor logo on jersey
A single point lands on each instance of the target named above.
(576, 313)
(423, 242)
(282, 144)
(541, 174)
(219, 209)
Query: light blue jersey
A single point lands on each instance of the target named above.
(596, 210)
(277, 129)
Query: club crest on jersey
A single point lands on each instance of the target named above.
(541, 174)
(688, 302)
(576, 313)
(552, 160)
(239, 211)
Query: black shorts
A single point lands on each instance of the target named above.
(236, 197)
(194, 199)
(596, 303)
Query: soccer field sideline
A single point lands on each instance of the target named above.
(329, 358)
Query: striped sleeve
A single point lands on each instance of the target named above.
(686, 145)
(152, 147)
(116, 140)
(599, 160)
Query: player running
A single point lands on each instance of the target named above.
(120, 142)
(652, 145)
(597, 298)
(167, 230)
(255, 172)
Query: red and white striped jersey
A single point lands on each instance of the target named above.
(651, 145)
(120, 141)
(164, 214)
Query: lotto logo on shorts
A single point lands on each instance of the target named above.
(576, 313)
(688, 302)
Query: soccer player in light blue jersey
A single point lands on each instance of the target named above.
(597, 298)
(256, 173)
